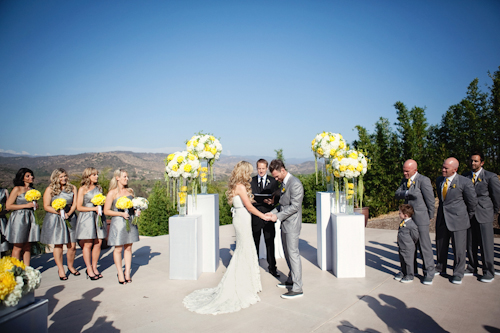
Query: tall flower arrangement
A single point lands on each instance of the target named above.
(16, 280)
(327, 145)
(205, 147)
(181, 166)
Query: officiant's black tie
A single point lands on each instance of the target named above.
(260, 185)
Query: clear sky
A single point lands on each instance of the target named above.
(89, 76)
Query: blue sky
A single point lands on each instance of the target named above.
(88, 76)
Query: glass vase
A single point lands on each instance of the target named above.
(350, 194)
(329, 175)
(181, 201)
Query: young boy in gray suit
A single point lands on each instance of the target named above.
(407, 240)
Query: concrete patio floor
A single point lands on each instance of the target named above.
(376, 303)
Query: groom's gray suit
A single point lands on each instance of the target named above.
(289, 212)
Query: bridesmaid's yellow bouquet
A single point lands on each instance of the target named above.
(125, 204)
(58, 205)
(33, 196)
(99, 200)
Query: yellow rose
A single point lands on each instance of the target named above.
(332, 152)
(338, 153)
(187, 168)
(350, 167)
(359, 167)
(212, 138)
(341, 145)
(7, 284)
(58, 204)
(195, 143)
(180, 159)
(191, 157)
(182, 201)
(349, 197)
(184, 188)
(340, 157)
(342, 168)
(175, 168)
(320, 151)
(207, 147)
(204, 169)
(340, 136)
(188, 143)
(351, 186)
(353, 155)
(336, 174)
(170, 157)
(313, 142)
(203, 174)
(213, 150)
(328, 178)
(350, 192)
(204, 180)
(323, 134)
(332, 138)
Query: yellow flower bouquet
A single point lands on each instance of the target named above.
(99, 200)
(33, 196)
(59, 204)
(16, 280)
(125, 204)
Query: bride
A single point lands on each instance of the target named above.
(240, 284)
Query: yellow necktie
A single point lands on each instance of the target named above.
(402, 224)
(445, 189)
(408, 184)
(474, 179)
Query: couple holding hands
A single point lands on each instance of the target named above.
(253, 210)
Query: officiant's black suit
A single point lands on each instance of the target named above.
(258, 224)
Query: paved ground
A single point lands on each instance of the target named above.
(377, 303)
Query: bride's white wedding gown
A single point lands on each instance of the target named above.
(240, 284)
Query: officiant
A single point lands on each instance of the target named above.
(266, 193)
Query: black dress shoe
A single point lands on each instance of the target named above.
(275, 274)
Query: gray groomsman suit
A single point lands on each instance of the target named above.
(487, 188)
(453, 220)
(289, 212)
(420, 196)
(407, 241)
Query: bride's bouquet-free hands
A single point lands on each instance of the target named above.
(58, 205)
(125, 204)
(99, 200)
(140, 204)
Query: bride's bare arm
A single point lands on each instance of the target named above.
(242, 192)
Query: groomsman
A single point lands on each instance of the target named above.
(416, 190)
(262, 184)
(289, 212)
(457, 204)
(480, 233)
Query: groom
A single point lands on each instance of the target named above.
(290, 215)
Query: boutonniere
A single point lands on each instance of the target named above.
(267, 182)
(454, 185)
(283, 189)
(402, 224)
(478, 179)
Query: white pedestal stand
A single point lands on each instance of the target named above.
(348, 246)
(208, 206)
(186, 254)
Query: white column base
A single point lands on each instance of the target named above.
(348, 235)
(186, 254)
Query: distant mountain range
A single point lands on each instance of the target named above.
(141, 166)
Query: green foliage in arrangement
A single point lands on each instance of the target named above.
(154, 220)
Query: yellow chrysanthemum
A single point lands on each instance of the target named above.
(124, 203)
(204, 169)
(353, 155)
(342, 168)
(180, 158)
(170, 157)
(320, 151)
(32, 195)
(191, 157)
(99, 199)
(7, 263)
(184, 188)
(7, 284)
(359, 167)
(187, 168)
(59, 204)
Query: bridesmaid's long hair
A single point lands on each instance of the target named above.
(114, 183)
(86, 178)
(19, 180)
(241, 174)
(55, 186)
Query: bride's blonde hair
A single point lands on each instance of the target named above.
(241, 174)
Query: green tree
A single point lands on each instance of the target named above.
(279, 155)
(493, 151)
(154, 220)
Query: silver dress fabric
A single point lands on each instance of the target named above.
(4, 245)
(22, 226)
(118, 234)
(54, 229)
(87, 225)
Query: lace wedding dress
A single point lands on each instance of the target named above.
(240, 284)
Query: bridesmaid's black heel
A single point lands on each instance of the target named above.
(93, 278)
(120, 282)
(77, 273)
(63, 278)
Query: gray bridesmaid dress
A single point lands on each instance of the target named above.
(22, 227)
(87, 226)
(54, 229)
(118, 234)
(4, 244)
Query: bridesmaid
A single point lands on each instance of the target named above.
(54, 229)
(87, 227)
(4, 245)
(22, 229)
(118, 234)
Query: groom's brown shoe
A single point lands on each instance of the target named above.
(293, 294)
